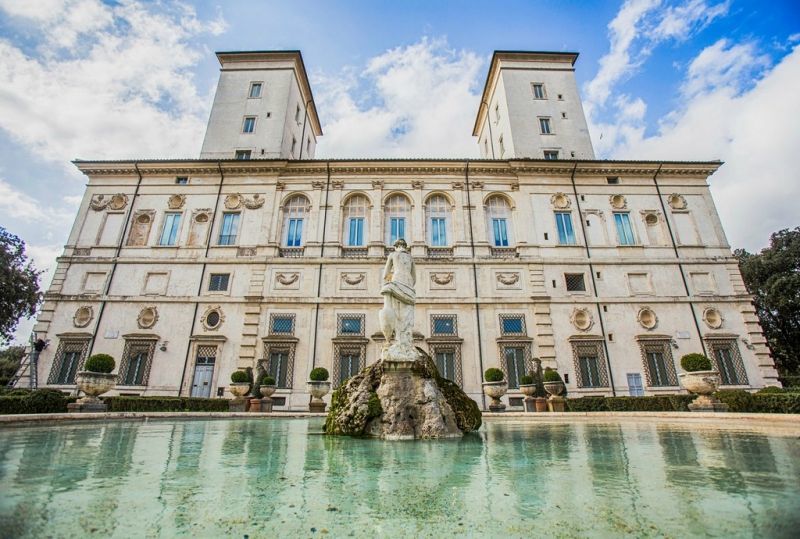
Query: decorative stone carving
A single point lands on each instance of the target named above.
(647, 318)
(457, 185)
(337, 184)
(417, 184)
(147, 317)
(712, 318)
(280, 186)
(83, 315)
(442, 279)
(676, 201)
(246, 251)
(618, 202)
(650, 217)
(477, 186)
(140, 231)
(82, 251)
(176, 202)
(287, 279)
(233, 201)
(560, 201)
(317, 185)
(202, 216)
(508, 279)
(114, 202)
(377, 184)
(212, 318)
(353, 279)
(254, 203)
(582, 319)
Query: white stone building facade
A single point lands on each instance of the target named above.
(188, 270)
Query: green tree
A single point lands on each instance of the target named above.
(10, 359)
(19, 284)
(773, 278)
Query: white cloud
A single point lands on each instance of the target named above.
(723, 64)
(422, 103)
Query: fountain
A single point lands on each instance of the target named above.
(402, 396)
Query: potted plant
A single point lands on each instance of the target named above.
(495, 387)
(702, 380)
(96, 379)
(240, 383)
(552, 382)
(527, 385)
(318, 386)
(268, 386)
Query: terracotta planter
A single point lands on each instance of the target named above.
(541, 404)
(554, 389)
(495, 390)
(239, 389)
(267, 391)
(529, 390)
(94, 384)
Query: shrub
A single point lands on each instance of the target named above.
(102, 363)
(493, 374)
(268, 381)
(587, 404)
(239, 377)
(786, 403)
(770, 389)
(319, 374)
(526, 380)
(40, 401)
(737, 400)
(696, 362)
(551, 375)
(165, 404)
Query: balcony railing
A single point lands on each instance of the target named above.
(440, 252)
(291, 252)
(504, 252)
(354, 252)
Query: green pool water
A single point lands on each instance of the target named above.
(281, 478)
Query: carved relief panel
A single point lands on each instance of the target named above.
(441, 280)
(352, 280)
(508, 279)
(198, 230)
(286, 279)
(140, 228)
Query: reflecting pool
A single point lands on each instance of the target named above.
(280, 477)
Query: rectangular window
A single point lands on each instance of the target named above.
(512, 324)
(218, 282)
(446, 364)
(444, 325)
(515, 365)
(249, 124)
(135, 365)
(169, 235)
(68, 360)
(624, 229)
(590, 373)
(612, 180)
(351, 326)
(242, 155)
(500, 232)
(349, 364)
(279, 366)
(182, 180)
(551, 155)
(282, 325)
(397, 229)
(575, 282)
(255, 90)
(589, 367)
(728, 362)
(566, 234)
(229, 229)
(438, 232)
(356, 235)
(538, 90)
(657, 368)
(294, 235)
(544, 126)
(635, 388)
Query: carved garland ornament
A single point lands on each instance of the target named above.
(147, 317)
(287, 279)
(508, 278)
(442, 278)
(213, 318)
(233, 202)
(618, 202)
(676, 201)
(83, 315)
(560, 201)
(353, 278)
(113, 202)
(176, 202)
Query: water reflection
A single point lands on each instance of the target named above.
(214, 478)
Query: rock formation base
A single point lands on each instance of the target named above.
(402, 401)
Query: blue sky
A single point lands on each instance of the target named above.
(660, 79)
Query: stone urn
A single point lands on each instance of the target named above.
(239, 389)
(94, 384)
(495, 390)
(529, 390)
(703, 384)
(318, 390)
(554, 389)
(267, 391)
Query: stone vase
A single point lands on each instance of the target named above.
(529, 390)
(267, 391)
(94, 384)
(554, 389)
(495, 390)
(703, 384)
(239, 389)
(318, 390)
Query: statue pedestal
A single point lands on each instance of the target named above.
(317, 407)
(557, 404)
(238, 404)
(530, 404)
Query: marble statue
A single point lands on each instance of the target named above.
(397, 315)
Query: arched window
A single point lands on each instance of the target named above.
(355, 221)
(437, 217)
(397, 213)
(498, 215)
(294, 213)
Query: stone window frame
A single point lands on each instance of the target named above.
(435, 317)
(151, 214)
(223, 291)
(516, 342)
(508, 316)
(274, 316)
(602, 369)
(280, 343)
(663, 344)
(68, 344)
(253, 83)
(131, 342)
(448, 344)
(341, 316)
(732, 342)
(345, 344)
(570, 281)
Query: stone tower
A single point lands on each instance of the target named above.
(531, 109)
(263, 108)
